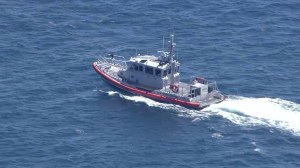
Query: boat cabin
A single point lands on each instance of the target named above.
(149, 72)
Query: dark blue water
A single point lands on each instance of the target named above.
(55, 111)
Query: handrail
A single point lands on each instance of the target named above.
(118, 60)
(206, 82)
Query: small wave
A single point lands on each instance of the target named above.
(257, 149)
(216, 135)
(51, 23)
(277, 113)
(79, 131)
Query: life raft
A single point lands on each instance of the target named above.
(200, 80)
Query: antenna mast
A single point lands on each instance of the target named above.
(172, 45)
(172, 62)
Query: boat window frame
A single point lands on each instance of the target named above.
(165, 73)
(158, 70)
(177, 69)
(141, 68)
(135, 67)
(147, 70)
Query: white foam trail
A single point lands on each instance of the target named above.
(278, 113)
(134, 98)
(112, 93)
(181, 111)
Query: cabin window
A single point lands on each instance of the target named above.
(141, 68)
(157, 72)
(135, 67)
(165, 73)
(177, 69)
(149, 70)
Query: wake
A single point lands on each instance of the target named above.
(276, 113)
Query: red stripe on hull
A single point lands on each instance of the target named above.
(144, 93)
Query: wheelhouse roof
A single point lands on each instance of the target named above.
(149, 60)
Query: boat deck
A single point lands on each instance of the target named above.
(145, 75)
(112, 69)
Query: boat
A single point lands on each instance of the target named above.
(158, 78)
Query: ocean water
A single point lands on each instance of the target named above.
(55, 111)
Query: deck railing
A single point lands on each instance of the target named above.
(114, 59)
(185, 92)
(202, 80)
